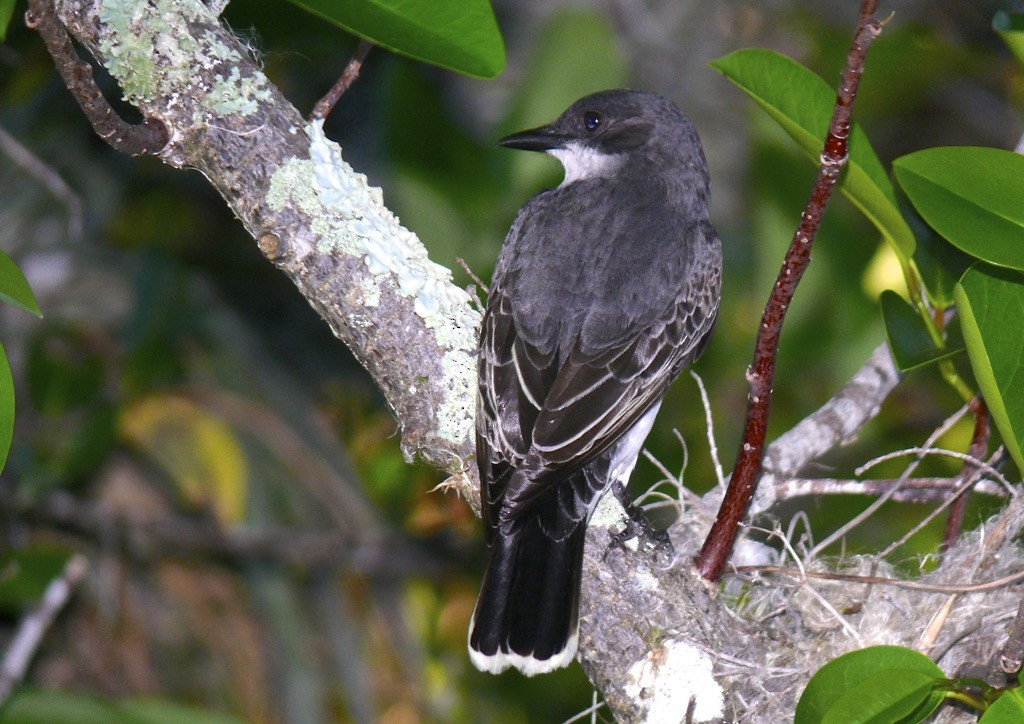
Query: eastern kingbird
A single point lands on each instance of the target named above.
(605, 289)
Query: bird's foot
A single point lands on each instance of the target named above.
(637, 526)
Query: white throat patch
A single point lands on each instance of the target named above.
(583, 162)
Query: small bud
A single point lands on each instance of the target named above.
(270, 244)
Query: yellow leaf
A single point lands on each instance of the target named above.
(201, 454)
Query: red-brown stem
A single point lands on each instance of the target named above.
(326, 104)
(147, 137)
(713, 555)
(977, 450)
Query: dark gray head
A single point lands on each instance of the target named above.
(605, 132)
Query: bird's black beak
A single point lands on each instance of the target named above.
(543, 138)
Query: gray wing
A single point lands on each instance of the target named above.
(550, 403)
(595, 400)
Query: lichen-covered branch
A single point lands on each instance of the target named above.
(315, 218)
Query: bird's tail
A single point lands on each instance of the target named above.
(527, 615)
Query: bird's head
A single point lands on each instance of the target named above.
(601, 132)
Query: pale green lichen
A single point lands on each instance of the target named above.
(371, 292)
(608, 514)
(388, 248)
(348, 216)
(225, 99)
(454, 421)
(130, 49)
(152, 53)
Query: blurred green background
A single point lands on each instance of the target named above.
(178, 378)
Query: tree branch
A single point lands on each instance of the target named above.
(969, 472)
(911, 490)
(348, 76)
(717, 546)
(147, 137)
(35, 624)
(315, 218)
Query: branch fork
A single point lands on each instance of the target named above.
(150, 136)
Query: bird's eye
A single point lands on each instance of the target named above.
(591, 120)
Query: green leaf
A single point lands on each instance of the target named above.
(991, 305)
(14, 289)
(1007, 709)
(1010, 27)
(972, 196)
(895, 695)
(6, 13)
(845, 673)
(461, 35)
(911, 345)
(25, 574)
(802, 102)
(939, 263)
(6, 408)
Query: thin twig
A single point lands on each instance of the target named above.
(326, 104)
(889, 494)
(977, 449)
(987, 468)
(715, 552)
(476, 280)
(948, 502)
(36, 623)
(881, 580)
(911, 490)
(709, 423)
(590, 712)
(150, 136)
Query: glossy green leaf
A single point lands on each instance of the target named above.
(991, 305)
(6, 13)
(845, 673)
(6, 408)
(939, 264)
(36, 706)
(1007, 709)
(802, 103)
(972, 196)
(25, 574)
(14, 289)
(1010, 27)
(909, 341)
(895, 695)
(461, 35)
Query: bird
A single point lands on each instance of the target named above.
(605, 289)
